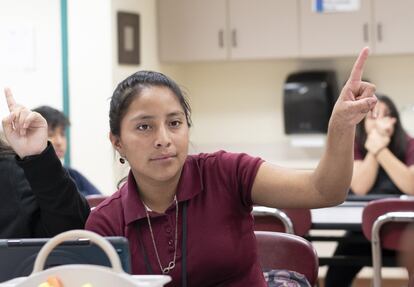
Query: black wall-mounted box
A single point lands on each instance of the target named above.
(308, 101)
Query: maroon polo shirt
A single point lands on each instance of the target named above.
(221, 246)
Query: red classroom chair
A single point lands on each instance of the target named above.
(285, 251)
(289, 220)
(383, 223)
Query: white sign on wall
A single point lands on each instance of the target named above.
(17, 47)
(335, 6)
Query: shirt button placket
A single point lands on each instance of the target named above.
(169, 234)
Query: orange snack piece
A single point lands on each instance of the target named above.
(54, 281)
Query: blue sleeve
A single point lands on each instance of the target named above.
(84, 185)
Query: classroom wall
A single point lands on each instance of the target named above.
(30, 52)
(146, 9)
(94, 74)
(90, 83)
(238, 105)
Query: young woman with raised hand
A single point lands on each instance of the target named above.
(188, 216)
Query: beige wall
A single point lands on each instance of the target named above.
(148, 37)
(90, 83)
(148, 53)
(94, 73)
(236, 105)
(239, 104)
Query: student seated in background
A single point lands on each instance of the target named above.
(384, 153)
(38, 209)
(189, 216)
(384, 164)
(57, 123)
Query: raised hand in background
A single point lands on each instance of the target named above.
(25, 131)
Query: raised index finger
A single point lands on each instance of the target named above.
(357, 69)
(11, 103)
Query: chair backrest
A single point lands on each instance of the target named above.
(94, 200)
(273, 219)
(287, 251)
(383, 223)
(391, 232)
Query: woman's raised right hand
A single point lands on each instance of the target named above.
(25, 131)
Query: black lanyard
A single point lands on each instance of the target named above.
(183, 248)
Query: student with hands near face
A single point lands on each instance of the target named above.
(38, 197)
(384, 154)
(172, 201)
(384, 164)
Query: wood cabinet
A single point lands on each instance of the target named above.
(336, 33)
(383, 25)
(199, 30)
(192, 30)
(263, 29)
(393, 26)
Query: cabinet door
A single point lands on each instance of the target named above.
(263, 29)
(335, 33)
(192, 30)
(394, 23)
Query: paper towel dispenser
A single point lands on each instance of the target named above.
(308, 101)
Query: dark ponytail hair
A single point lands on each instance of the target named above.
(132, 86)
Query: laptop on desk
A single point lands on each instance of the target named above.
(17, 256)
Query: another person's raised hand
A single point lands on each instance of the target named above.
(357, 98)
(376, 142)
(385, 125)
(26, 131)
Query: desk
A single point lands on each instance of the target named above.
(347, 216)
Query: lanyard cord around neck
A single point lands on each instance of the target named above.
(183, 248)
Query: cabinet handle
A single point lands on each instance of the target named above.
(221, 38)
(379, 32)
(234, 37)
(366, 32)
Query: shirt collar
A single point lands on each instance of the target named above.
(189, 186)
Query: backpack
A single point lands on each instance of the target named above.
(285, 278)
